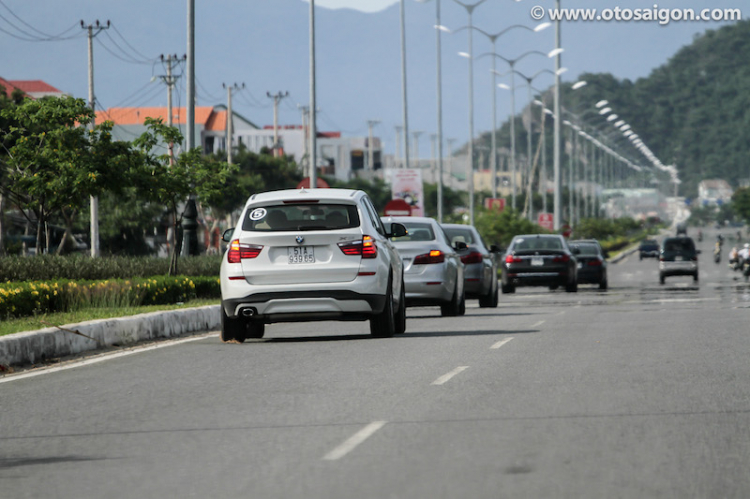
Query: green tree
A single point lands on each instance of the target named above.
(171, 182)
(54, 164)
(741, 203)
(499, 227)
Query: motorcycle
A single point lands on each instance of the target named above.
(717, 254)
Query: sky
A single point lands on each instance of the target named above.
(263, 44)
(361, 5)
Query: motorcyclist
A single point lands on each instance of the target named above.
(734, 259)
(744, 253)
(717, 251)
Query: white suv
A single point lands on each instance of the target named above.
(310, 254)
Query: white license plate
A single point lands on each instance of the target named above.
(537, 262)
(301, 254)
(580, 265)
(678, 259)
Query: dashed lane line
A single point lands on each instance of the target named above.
(352, 442)
(501, 343)
(446, 377)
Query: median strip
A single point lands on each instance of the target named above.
(352, 442)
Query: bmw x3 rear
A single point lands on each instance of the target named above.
(308, 255)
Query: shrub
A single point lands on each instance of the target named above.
(74, 267)
(31, 298)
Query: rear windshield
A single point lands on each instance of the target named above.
(537, 243)
(417, 232)
(460, 235)
(649, 243)
(297, 217)
(681, 245)
(588, 249)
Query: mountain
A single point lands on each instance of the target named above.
(264, 44)
(693, 111)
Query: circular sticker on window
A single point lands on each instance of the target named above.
(258, 214)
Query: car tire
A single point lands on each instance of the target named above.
(508, 289)
(661, 279)
(490, 299)
(255, 330)
(571, 287)
(383, 325)
(640, 257)
(453, 307)
(462, 305)
(232, 330)
(401, 314)
(695, 277)
(603, 284)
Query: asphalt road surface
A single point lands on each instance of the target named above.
(639, 391)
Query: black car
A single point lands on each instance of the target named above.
(649, 248)
(592, 262)
(678, 257)
(539, 260)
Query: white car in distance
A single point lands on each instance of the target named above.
(310, 255)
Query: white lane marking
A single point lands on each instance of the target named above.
(538, 324)
(501, 343)
(116, 355)
(352, 442)
(445, 377)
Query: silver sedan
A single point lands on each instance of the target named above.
(433, 270)
(481, 263)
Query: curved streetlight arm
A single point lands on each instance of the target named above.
(470, 6)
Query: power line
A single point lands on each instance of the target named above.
(31, 37)
(128, 44)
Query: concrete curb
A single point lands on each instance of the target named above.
(35, 346)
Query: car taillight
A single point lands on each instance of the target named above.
(434, 256)
(595, 263)
(473, 257)
(237, 251)
(513, 259)
(561, 259)
(364, 247)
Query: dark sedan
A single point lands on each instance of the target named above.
(592, 262)
(649, 248)
(539, 260)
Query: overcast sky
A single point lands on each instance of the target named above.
(363, 5)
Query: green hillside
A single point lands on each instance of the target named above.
(693, 112)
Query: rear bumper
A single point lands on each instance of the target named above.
(295, 306)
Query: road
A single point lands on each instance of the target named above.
(639, 391)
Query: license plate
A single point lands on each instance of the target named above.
(301, 254)
(678, 259)
(537, 262)
(580, 265)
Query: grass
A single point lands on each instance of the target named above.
(11, 326)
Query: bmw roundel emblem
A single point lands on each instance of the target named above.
(300, 239)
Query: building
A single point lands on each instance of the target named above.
(210, 123)
(714, 192)
(35, 89)
(340, 157)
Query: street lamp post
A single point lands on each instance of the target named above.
(403, 86)
(493, 38)
(556, 162)
(470, 167)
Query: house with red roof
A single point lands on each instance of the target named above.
(210, 123)
(35, 89)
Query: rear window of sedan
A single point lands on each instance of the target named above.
(588, 249)
(301, 216)
(537, 243)
(417, 232)
(460, 235)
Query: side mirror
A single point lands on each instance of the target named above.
(460, 246)
(397, 230)
(227, 236)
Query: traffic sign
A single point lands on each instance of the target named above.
(546, 221)
(494, 204)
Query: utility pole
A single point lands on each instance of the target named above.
(276, 99)
(399, 129)
(170, 81)
(313, 103)
(94, 201)
(230, 119)
(190, 118)
(433, 146)
(416, 134)
(450, 157)
(305, 116)
(370, 147)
